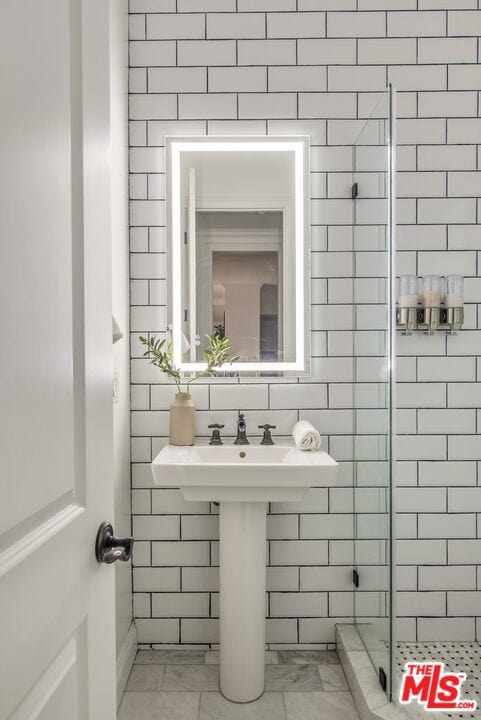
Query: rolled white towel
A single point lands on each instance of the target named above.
(306, 436)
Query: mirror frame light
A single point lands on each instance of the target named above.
(299, 145)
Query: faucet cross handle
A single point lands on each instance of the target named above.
(267, 437)
(215, 439)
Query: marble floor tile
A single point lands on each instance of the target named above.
(159, 706)
(332, 677)
(320, 706)
(308, 657)
(272, 657)
(288, 678)
(191, 678)
(212, 657)
(170, 657)
(270, 706)
(145, 678)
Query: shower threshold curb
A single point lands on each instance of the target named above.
(370, 700)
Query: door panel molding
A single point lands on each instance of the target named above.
(30, 541)
(62, 671)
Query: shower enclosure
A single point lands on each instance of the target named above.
(373, 193)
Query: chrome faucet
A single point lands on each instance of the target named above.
(241, 438)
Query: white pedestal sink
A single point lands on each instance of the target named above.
(243, 479)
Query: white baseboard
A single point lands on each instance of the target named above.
(125, 661)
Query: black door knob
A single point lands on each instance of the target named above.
(109, 548)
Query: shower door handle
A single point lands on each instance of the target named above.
(108, 548)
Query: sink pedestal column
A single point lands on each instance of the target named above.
(242, 599)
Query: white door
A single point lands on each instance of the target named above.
(57, 654)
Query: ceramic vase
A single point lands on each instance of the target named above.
(182, 420)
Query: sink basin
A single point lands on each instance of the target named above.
(243, 479)
(242, 473)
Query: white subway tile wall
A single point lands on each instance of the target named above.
(317, 67)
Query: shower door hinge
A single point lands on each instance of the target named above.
(185, 238)
(185, 315)
(382, 679)
(355, 578)
(354, 190)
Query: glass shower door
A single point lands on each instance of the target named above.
(373, 351)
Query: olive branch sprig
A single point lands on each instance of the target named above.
(216, 354)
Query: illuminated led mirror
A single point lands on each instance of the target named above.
(238, 219)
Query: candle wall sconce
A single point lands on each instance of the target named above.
(430, 303)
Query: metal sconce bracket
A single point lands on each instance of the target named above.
(449, 319)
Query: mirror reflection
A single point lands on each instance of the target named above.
(239, 281)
